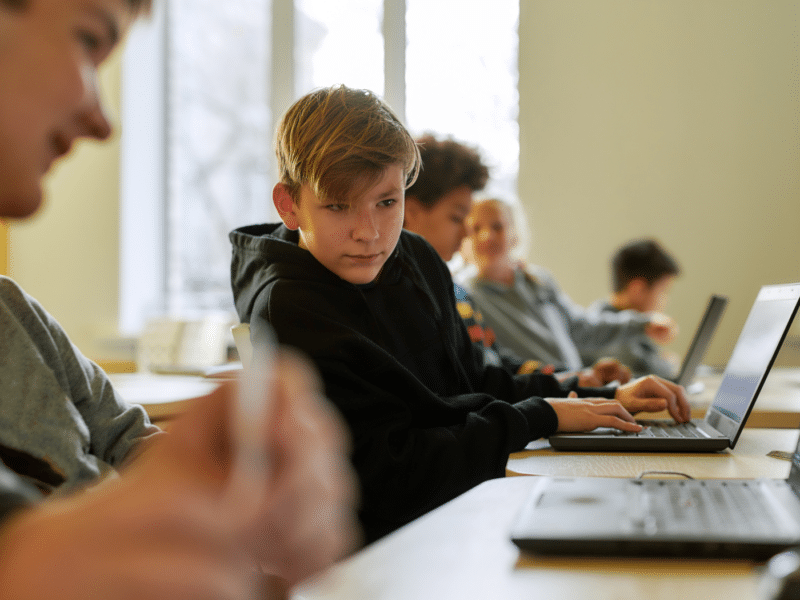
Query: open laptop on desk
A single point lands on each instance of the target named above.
(702, 338)
(755, 351)
(720, 518)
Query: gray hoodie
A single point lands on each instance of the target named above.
(61, 423)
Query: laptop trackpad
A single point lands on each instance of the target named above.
(589, 509)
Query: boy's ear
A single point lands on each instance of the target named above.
(284, 204)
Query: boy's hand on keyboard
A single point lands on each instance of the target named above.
(653, 394)
(586, 414)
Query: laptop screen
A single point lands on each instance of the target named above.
(755, 351)
(702, 338)
(794, 471)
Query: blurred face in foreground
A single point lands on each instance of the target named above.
(49, 54)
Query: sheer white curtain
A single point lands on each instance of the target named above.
(461, 78)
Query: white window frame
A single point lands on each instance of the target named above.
(144, 190)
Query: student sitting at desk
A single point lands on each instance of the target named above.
(162, 528)
(529, 312)
(642, 274)
(373, 306)
(437, 205)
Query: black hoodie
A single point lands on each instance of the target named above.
(428, 419)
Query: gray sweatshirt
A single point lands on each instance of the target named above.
(535, 319)
(61, 423)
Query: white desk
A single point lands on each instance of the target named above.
(462, 550)
(162, 396)
(747, 461)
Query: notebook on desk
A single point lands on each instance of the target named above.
(721, 518)
(752, 358)
(702, 338)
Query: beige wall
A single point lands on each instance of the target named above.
(676, 119)
(673, 118)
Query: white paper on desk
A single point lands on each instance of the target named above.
(538, 444)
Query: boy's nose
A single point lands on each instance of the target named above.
(94, 122)
(365, 228)
(92, 119)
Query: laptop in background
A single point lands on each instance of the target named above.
(721, 518)
(752, 358)
(702, 338)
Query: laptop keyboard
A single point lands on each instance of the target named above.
(665, 429)
(687, 507)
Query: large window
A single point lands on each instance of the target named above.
(205, 81)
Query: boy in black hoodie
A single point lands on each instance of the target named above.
(373, 306)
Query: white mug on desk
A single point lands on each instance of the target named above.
(184, 345)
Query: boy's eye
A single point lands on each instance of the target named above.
(96, 38)
(387, 202)
(336, 207)
(90, 41)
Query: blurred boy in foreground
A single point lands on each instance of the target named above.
(165, 527)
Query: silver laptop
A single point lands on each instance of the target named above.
(751, 360)
(732, 518)
(702, 338)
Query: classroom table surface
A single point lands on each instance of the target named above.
(749, 459)
(462, 550)
(162, 396)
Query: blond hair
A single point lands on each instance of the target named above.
(501, 206)
(516, 221)
(339, 140)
